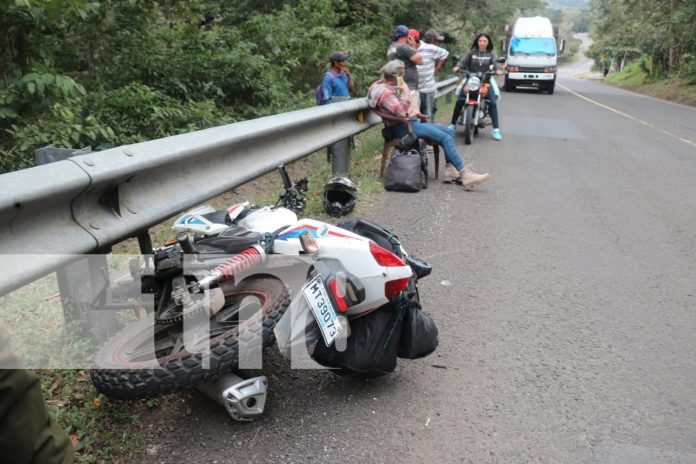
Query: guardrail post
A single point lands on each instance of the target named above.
(81, 282)
(339, 152)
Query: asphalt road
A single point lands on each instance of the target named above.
(565, 294)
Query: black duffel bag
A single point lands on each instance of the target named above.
(405, 172)
(371, 349)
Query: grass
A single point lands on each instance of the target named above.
(672, 88)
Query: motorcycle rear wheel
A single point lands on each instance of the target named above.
(123, 367)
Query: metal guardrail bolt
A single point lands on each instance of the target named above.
(131, 210)
(127, 153)
(89, 162)
(94, 225)
(360, 117)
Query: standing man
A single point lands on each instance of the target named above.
(403, 48)
(337, 81)
(335, 87)
(434, 58)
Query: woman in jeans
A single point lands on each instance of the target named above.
(479, 59)
(390, 96)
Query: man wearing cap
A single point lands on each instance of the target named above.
(337, 81)
(433, 59)
(403, 47)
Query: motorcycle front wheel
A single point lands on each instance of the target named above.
(469, 125)
(147, 359)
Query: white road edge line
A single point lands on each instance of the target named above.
(628, 116)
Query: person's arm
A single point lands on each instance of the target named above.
(351, 83)
(407, 52)
(496, 65)
(392, 103)
(439, 66)
(464, 63)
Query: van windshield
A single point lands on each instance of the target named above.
(533, 46)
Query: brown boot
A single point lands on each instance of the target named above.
(469, 178)
(451, 174)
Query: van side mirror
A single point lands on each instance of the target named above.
(562, 46)
(503, 46)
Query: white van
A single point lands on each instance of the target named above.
(531, 50)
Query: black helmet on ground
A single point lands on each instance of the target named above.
(340, 196)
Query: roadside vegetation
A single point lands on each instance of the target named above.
(647, 46)
(100, 73)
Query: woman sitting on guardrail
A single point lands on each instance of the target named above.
(390, 94)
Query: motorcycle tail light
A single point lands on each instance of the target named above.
(339, 296)
(388, 259)
(384, 257)
(393, 288)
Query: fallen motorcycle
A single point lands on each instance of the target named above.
(222, 290)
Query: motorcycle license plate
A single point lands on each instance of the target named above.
(324, 312)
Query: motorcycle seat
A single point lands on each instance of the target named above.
(231, 241)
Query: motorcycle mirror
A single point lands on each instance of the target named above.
(491, 67)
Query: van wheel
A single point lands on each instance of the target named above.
(551, 87)
(508, 86)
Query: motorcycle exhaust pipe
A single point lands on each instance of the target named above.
(244, 399)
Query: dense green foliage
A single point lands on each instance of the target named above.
(663, 32)
(104, 73)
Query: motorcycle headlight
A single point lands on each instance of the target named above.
(474, 83)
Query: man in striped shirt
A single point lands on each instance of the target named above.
(433, 59)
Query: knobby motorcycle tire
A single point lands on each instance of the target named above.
(121, 380)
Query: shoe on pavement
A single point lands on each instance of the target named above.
(451, 174)
(496, 134)
(452, 127)
(469, 178)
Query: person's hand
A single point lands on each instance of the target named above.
(411, 41)
(347, 71)
(455, 69)
(499, 72)
(422, 117)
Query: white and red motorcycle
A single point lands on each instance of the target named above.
(225, 286)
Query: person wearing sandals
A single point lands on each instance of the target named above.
(389, 96)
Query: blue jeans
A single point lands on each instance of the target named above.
(436, 133)
(427, 105)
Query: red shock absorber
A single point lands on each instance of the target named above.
(240, 262)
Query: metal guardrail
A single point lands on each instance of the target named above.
(89, 202)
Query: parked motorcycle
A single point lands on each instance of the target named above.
(473, 89)
(223, 288)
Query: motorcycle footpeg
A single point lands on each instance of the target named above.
(244, 399)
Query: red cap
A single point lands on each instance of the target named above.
(414, 33)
